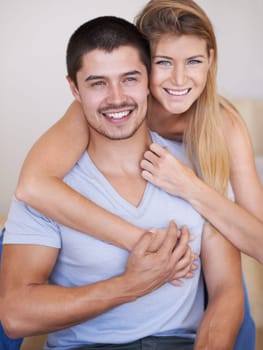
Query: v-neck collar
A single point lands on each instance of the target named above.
(114, 194)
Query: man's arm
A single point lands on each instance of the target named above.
(30, 306)
(224, 314)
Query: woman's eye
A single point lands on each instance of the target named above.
(194, 61)
(163, 63)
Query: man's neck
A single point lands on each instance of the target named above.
(119, 162)
(117, 156)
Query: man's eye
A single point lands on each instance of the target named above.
(98, 83)
(130, 79)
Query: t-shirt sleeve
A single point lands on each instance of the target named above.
(25, 225)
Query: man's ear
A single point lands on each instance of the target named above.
(73, 88)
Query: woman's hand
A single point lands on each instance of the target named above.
(162, 169)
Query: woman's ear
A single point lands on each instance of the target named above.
(73, 88)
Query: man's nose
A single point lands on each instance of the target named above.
(116, 95)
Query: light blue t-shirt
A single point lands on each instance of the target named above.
(82, 260)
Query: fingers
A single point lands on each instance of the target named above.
(185, 261)
(184, 269)
(186, 272)
(148, 166)
(146, 175)
(157, 149)
(169, 243)
(182, 244)
(177, 282)
(182, 258)
(151, 157)
(142, 246)
(173, 255)
(157, 240)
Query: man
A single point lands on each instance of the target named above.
(98, 294)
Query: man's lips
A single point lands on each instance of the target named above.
(118, 112)
(117, 115)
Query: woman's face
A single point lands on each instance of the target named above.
(180, 65)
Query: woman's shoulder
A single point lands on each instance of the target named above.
(237, 137)
(232, 121)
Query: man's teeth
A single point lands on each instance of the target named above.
(178, 92)
(118, 115)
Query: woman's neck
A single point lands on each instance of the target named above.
(168, 125)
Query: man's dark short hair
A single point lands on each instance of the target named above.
(106, 33)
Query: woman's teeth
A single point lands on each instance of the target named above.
(178, 92)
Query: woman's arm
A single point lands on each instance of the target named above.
(40, 185)
(244, 178)
(243, 220)
(240, 222)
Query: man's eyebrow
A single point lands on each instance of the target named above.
(133, 72)
(94, 77)
(98, 77)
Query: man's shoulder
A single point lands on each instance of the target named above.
(25, 225)
(79, 170)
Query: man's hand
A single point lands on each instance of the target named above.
(185, 267)
(150, 270)
(186, 258)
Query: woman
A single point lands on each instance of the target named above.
(184, 106)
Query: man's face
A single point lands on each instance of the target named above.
(113, 90)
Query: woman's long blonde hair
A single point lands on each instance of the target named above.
(204, 134)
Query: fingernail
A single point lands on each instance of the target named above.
(179, 283)
(190, 275)
(152, 230)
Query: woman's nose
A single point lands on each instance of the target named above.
(179, 75)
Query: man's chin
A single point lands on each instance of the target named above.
(117, 135)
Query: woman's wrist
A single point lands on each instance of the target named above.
(132, 237)
(196, 192)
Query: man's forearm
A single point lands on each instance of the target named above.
(47, 308)
(29, 306)
(221, 322)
